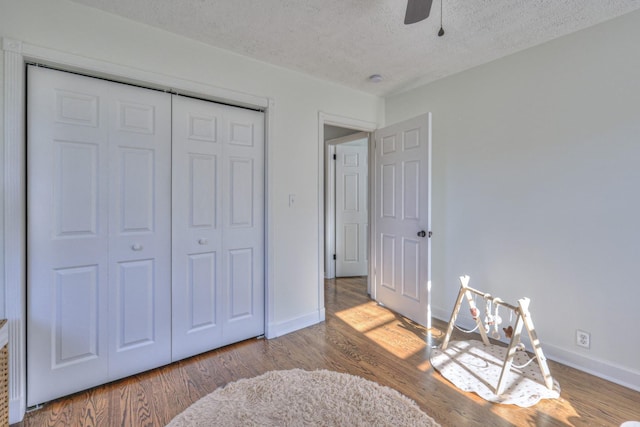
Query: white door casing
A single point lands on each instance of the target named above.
(98, 232)
(351, 208)
(402, 217)
(218, 226)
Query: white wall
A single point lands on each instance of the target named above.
(535, 189)
(71, 28)
(333, 132)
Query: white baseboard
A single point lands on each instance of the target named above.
(441, 314)
(616, 374)
(16, 411)
(600, 368)
(277, 329)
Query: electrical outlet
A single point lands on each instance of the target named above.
(583, 339)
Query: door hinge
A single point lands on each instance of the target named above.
(334, 256)
(335, 157)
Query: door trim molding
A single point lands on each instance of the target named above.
(16, 55)
(14, 226)
(345, 122)
(329, 212)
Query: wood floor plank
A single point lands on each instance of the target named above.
(358, 337)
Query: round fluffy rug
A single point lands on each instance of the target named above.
(303, 398)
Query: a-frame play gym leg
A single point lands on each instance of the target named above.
(523, 318)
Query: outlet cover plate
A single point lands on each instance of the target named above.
(583, 339)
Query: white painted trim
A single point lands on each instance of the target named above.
(373, 242)
(621, 375)
(2, 148)
(149, 79)
(429, 224)
(16, 55)
(15, 222)
(329, 212)
(373, 197)
(345, 122)
(296, 323)
(617, 374)
(270, 260)
(443, 314)
(4, 335)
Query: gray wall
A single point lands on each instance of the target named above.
(536, 181)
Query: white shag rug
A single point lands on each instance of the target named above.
(472, 366)
(303, 398)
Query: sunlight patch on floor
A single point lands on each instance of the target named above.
(399, 345)
(563, 413)
(382, 327)
(365, 317)
(424, 366)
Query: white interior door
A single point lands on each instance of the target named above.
(218, 225)
(98, 295)
(139, 213)
(351, 208)
(402, 217)
(67, 234)
(197, 231)
(243, 225)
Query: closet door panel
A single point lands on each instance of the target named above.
(98, 232)
(218, 199)
(241, 280)
(67, 235)
(75, 313)
(241, 192)
(140, 224)
(196, 226)
(75, 188)
(201, 290)
(243, 242)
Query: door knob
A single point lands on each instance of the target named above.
(203, 241)
(136, 247)
(422, 233)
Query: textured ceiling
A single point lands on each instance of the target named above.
(345, 41)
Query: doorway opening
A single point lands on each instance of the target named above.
(346, 202)
(399, 182)
(340, 126)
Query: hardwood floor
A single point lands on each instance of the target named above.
(359, 337)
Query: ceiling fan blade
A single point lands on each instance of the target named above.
(417, 10)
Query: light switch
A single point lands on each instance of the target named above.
(292, 199)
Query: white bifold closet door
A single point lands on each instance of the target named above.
(99, 230)
(145, 244)
(218, 225)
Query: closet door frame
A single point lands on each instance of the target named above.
(16, 56)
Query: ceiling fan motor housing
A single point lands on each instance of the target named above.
(417, 10)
